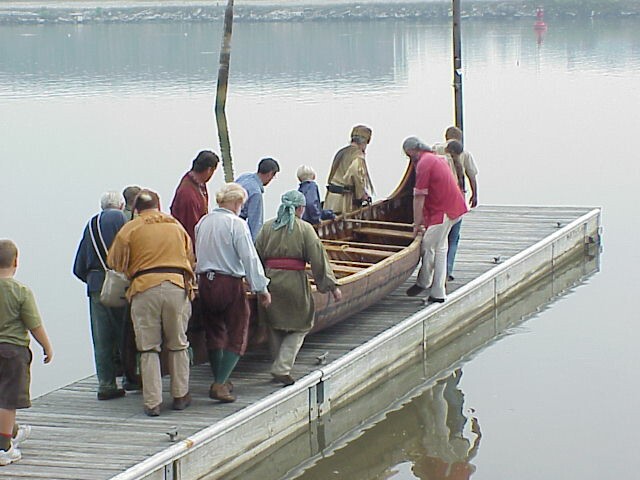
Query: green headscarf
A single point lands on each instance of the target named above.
(287, 210)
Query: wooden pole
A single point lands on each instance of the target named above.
(221, 94)
(457, 64)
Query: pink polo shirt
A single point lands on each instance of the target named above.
(435, 180)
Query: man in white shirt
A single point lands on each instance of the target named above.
(225, 255)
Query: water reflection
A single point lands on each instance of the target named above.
(155, 59)
(435, 436)
(444, 448)
(417, 424)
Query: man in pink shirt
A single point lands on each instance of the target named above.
(437, 205)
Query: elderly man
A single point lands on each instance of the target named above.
(155, 252)
(226, 255)
(107, 324)
(191, 200)
(349, 183)
(254, 183)
(437, 204)
(286, 244)
(462, 160)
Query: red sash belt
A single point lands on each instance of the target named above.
(283, 263)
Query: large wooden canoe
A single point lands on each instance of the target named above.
(372, 250)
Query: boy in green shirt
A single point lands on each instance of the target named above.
(18, 316)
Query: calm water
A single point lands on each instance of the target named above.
(88, 108)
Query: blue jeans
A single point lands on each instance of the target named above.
(454, 238)
(107, 327)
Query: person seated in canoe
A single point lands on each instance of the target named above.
(349, 183)
(225, 256)
(313, 211)
(286, 244)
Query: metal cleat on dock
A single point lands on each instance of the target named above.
(322, 359)
(173, 433)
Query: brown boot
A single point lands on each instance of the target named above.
(219, 391)
(180, 403)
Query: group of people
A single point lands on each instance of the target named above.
(198, 264)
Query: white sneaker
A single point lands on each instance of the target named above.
(9, 456)
(23, 433)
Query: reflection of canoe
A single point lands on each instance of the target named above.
(372, 250)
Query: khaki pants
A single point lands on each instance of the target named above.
(162, 313)
(284, 347)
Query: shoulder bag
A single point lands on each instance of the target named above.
(114, 288)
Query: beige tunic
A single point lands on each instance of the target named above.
(292, 306)
(349, 169)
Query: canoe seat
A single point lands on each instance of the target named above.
(346, 269)
(350, 252)
(384, 232)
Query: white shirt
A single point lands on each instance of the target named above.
(224, 244)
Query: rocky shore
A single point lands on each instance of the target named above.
(34, 12)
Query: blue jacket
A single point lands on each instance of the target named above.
(313, 211)
(253, 210)
(87, 266)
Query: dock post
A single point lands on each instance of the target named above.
(457, 64)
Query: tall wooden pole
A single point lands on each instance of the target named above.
(221, 94)
(457, 64)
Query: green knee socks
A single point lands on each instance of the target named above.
(222, 363)
(215, 360)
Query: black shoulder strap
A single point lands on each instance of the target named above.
(94, 230)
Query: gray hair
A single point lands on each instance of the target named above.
(231, 192)
(111, 200)
(414, 143)
(305, 172)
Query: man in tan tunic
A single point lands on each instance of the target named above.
(155, 252)
(285, 245)
(349, 182)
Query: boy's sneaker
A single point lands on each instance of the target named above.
(23, 433)
(9, 456)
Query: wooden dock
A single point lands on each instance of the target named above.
(503, 251)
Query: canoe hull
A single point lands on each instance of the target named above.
(368, 285)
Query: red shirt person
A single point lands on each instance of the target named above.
(191, 200)
(438, 204)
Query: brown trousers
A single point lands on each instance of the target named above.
(225, 313)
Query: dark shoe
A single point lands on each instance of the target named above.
(435, 300)
(153, 411)
(110, 394)
(181, 403)
(414, 290)
(219, 391)
(285, 379)
(131, 387)
(450, 278)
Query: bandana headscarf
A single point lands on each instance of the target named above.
(287, 210)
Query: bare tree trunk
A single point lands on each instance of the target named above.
(221, 94)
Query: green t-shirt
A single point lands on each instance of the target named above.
(18, 312)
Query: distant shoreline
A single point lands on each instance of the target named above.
(138, 11)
